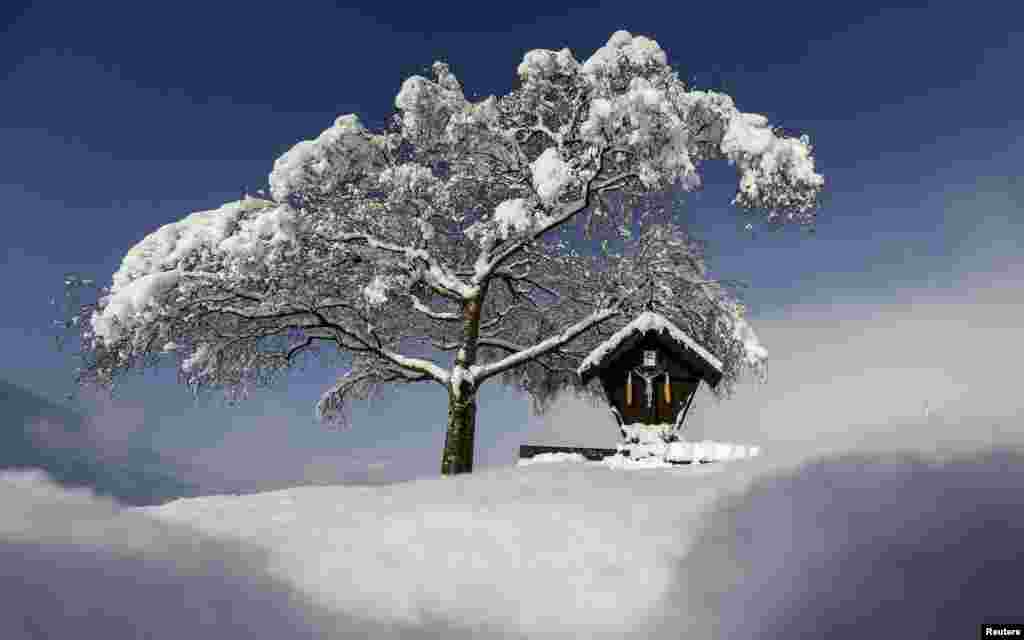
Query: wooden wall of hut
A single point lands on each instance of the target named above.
(683, 383)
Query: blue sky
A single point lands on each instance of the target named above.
(119, 119)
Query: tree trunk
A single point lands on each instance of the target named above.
(458, 441)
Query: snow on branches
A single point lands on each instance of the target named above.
(441, 229)
(636, 103)
(339, 153)
(240, 234)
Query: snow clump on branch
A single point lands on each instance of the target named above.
(633, 91)
(550, 175)
(510, 216)
(623, 46)
(427, 106)
(340, 152)
(540, 64)
(763, 159)
(408, 177)
(756, 355)
(244, 234)
(376, 293)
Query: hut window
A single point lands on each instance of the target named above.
(650, 358)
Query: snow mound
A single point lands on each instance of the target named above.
(708, 450)
(533, 550)
(658, 453)
(654, 447)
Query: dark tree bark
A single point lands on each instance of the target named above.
(458, 440)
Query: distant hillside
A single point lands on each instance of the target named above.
(136, 481)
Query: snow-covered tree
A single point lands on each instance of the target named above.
(445, 233)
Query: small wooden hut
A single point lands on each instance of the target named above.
(650, 370)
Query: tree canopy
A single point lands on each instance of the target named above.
(445, 232)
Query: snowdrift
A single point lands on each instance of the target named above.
(865, 546)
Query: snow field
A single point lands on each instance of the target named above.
(534, 549)
(910, 543)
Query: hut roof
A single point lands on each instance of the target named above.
(669, 334)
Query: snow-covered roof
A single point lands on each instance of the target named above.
(646, 322)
